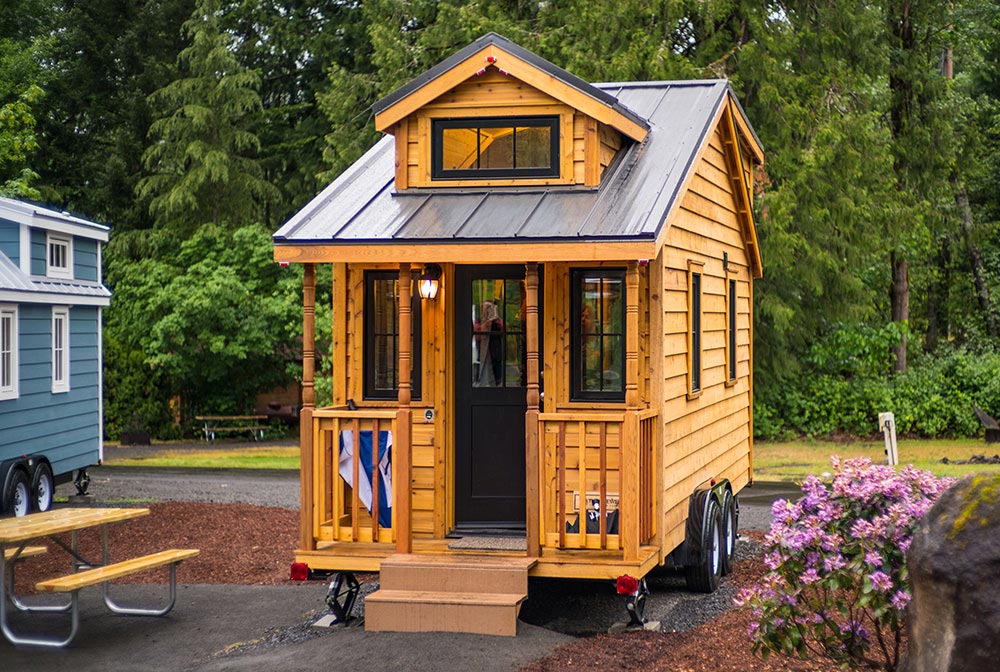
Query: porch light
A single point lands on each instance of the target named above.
(429, 281)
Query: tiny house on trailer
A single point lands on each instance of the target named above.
(542, 295)
(51, 298)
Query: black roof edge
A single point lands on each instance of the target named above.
(739, 106)
(548, 67)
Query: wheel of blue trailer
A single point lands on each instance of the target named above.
(730, 522)
(704, 574)
(17, 493)
(42, 487)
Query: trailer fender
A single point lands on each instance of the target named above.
(697, 520)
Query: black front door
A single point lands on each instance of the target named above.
(490, 385)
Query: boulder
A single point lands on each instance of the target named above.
(953, 621)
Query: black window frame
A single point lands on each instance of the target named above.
(694, 331)
(438, 171)
(731, 336)
(369, 391)
(577, 393)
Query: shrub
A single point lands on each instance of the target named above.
(837, 582)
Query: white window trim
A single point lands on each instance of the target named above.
(11, 391)
(63, 384)
(53, 271)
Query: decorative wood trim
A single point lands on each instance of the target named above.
(531, 450)
(632, 336)
(340, 317)
(523, 71)
(402, 493)
(745, 132)
(591, 153)
(479, 253)
(744, 204)
(401, 141)
(307, 539)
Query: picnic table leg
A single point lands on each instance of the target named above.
(136, 611)
(21, 606)
(15, 638)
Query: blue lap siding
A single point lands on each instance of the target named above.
(65, 426)
(10, 240)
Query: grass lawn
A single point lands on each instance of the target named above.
(794, 460)
(263, 457)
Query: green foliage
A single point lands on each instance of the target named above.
(20, 94)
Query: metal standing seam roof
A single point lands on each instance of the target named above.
(13, 279)
(362, 205)
(40, 215)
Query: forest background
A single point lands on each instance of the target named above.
(195, 128)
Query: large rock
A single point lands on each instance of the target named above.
(953, 621)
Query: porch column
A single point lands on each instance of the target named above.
(401, 442)
(629, 521)
(307, 540)
(531, 470)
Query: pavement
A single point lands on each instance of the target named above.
(216, 628)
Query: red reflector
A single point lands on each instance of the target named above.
(713, 481)
(491, 59)
(299, 571)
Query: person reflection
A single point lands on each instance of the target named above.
(489, 340)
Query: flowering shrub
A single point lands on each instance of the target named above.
(837, 582)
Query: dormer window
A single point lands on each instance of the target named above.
(60, 257)
(495, 147)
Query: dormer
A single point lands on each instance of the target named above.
(494, 114)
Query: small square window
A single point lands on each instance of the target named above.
(60, 349)
(8, 352)
(59, 263)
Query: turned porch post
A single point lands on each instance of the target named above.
(629, 521)
(401, 442)
(531, 468)
(307, 540)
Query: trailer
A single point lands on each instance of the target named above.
(51, 299)
(541, 338)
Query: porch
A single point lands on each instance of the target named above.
(580, 464)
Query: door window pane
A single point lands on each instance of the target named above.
(498, 350)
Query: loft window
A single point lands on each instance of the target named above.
(495, 147)
(60, 257)
(60, 350)
(8, 352)
(597, 357)
(381, 328)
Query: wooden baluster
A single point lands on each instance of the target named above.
(356, 475)
(603, 445)
(531, 451)
(561, 491)
(329, 471)
(582, 471)
(375, 446)
(307, 539)
(402, 488)
(338, 482)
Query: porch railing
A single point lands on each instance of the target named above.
(338, 512)
(598, 467)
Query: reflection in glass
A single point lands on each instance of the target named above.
(498, 343)
(601, 325)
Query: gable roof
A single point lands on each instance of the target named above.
(33, 214)
(631, 204)
(492, 50)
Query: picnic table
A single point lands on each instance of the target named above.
(15, 533)
(217, 424)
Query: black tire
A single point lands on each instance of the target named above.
(43, 487)
(704, 575)
(730, 522)
(17, 494)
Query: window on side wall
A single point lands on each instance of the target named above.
(381, 341)
(597, 357)
(495, 147)
(731, 292)
(59, 262)
(60, 349)
(8, 352)
(694, 328)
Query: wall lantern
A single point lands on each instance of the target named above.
(429, 281)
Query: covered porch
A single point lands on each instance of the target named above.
(582, 463)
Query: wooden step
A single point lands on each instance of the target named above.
(90, 577)
(456, 573)
(428, 611)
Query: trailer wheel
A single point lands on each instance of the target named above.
(17, 493)
(730, 521)
(42, 487)
(704, 575)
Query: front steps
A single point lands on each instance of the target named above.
(477, 594)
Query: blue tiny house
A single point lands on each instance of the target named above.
(51, 299)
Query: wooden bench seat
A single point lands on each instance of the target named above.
(90, 577)
(26, 552)
(254, 428)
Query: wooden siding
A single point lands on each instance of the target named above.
(708, 436)
(65, 426)
(10, 240)
(494, 94)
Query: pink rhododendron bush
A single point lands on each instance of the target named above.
(837, 584)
